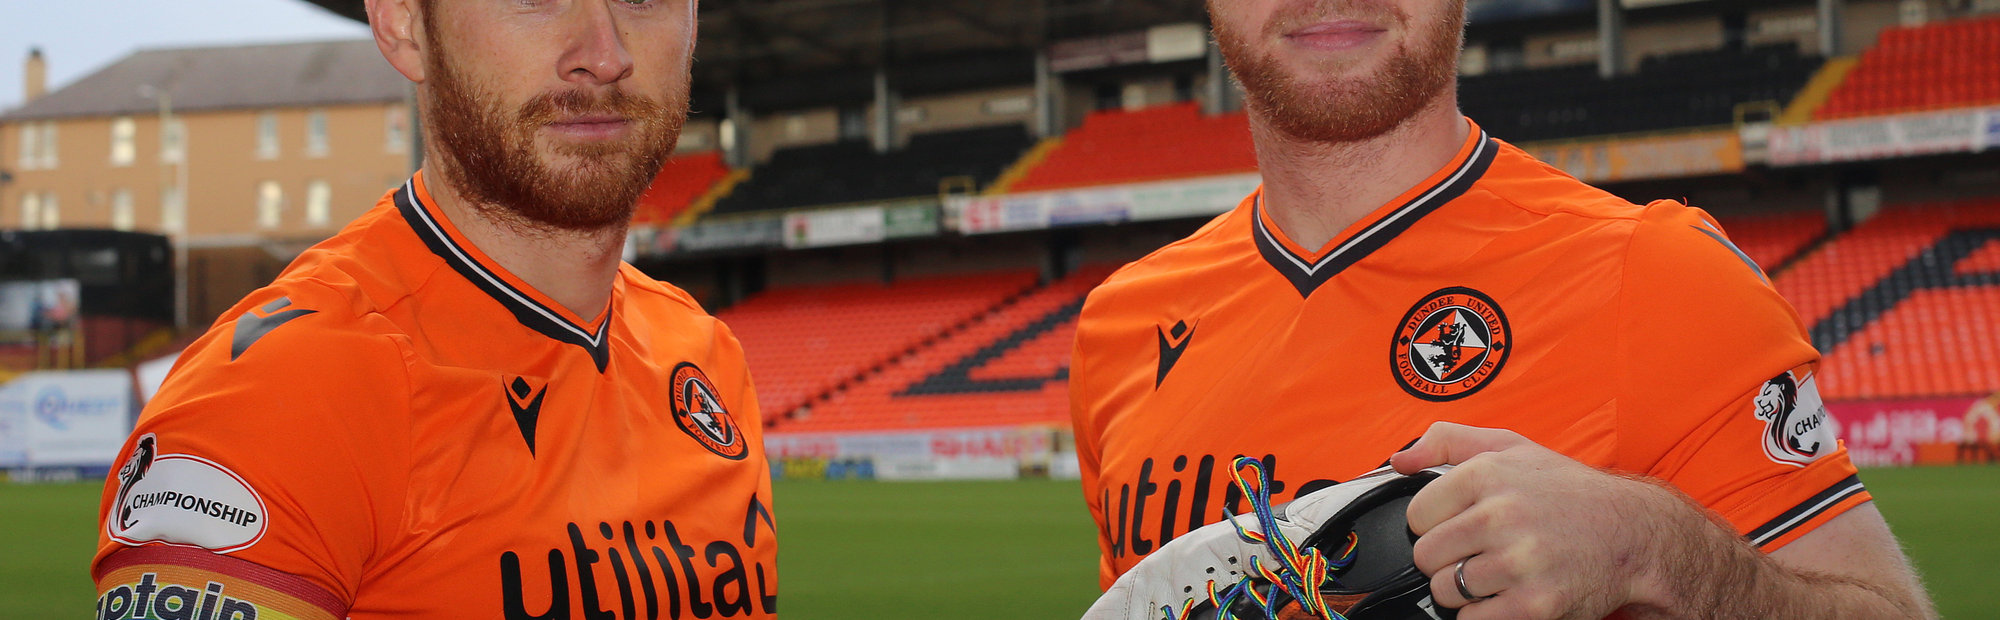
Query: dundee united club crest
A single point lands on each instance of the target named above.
(1450, 345)
(700, 414)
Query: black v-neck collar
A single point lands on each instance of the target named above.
(1307, 274)
(424, 219)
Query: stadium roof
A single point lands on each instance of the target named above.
(216, 78)
(795, 53)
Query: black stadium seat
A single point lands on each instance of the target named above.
(847, 172)
(1695, 89)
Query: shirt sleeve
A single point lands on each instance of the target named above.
(1718, 389)
(276, 455)
(1088, 453)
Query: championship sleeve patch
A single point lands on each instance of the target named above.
(159, 582)
(1796, 428)
(184, 499)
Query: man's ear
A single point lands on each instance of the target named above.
(398, 31)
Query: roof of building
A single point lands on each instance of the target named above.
(233, 77)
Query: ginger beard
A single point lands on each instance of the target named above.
(1329, 108)
(493, 157)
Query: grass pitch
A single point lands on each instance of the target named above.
(984, 549)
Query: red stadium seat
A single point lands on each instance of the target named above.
(1770, 240)
(804, 342)
(1934, 333)
(682, 181)
(1938, 66)
(1164, 142)
(1023, 382)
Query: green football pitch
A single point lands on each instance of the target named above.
(985, 549)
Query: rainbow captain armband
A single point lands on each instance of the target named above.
(165, 582)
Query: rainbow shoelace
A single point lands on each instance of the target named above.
(1298, 573)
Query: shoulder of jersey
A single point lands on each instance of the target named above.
(644, 288)
(663, 301)
(1177, 259)
(1658, 234)
(1519, 179)
(325, 300)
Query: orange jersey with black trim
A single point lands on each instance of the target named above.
(1497, 293)
(400, 428)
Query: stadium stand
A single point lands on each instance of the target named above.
(806, 341)
(1695, 89)
(1770, 240)
(1120, 146)
(1907, 304)
(683, 180)
(1010, 367)
(1938, 66)
(845, 172)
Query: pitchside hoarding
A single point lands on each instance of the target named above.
(1935, 431)
(1100, 205)
(1886, 137)
(941, 454)
(72, 419)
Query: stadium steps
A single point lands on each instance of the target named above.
(1818, 90)
(1020, 168)
(706, 202)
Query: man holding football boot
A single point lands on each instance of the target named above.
(1631, 411)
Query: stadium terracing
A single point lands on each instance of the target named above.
(899, 207)
(1903, 300)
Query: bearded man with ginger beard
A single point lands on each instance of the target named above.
(464, 404)
(1632, 411)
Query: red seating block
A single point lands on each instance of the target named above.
(1937, 66)
(803, 342)
(1939, 341)
(1165, 142)
(683, 180)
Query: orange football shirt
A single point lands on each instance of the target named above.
(1497, 293)
(400, 428)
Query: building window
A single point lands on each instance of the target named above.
(123, 132)
(51, 215)
(31, 150)
(31, 210)
(173, 210)
(270, 202)
(267, 135)
(396, 135)
(316, 133)
(48, 146)
(121, 209)
(173, 142)
(319, 201)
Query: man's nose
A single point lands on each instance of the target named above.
(596, 53)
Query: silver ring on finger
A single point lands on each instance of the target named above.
(1459, 577)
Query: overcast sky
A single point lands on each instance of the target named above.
(79, 38)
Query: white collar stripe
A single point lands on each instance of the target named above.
(493, 280)
(1378, 226)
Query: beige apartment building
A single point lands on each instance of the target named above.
(244, 155)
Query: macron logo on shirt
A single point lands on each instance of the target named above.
(250, 328)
